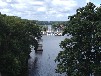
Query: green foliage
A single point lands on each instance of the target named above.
(81, 55)
(44, 27)
(16, 37)
(59, 25)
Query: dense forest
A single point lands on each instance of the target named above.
(16, 38)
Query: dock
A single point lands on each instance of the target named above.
(39, 47)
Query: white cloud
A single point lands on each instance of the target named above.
(59, 15)
(2, 4)
(37, 2)
(51, 11)
(5, 10)
(9, 0)
(65, 3)
(40, 9)
(87, 1)
(18, 6)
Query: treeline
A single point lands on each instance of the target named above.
(56, 25)
(49, 22)
(59, 25)
(16, 38)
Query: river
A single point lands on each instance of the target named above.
(44, 61)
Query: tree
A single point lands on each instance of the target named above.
(58, 25)
(44, 27)
(16, 37)
(81, 55)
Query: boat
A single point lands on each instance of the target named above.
(58, 34)
(39, 47)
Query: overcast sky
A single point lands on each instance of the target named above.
(43, 10)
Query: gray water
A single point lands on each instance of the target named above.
(42, 63)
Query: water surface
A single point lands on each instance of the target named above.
(44, 61)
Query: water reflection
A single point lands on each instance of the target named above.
(42, 63)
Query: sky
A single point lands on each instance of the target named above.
(43, 10)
